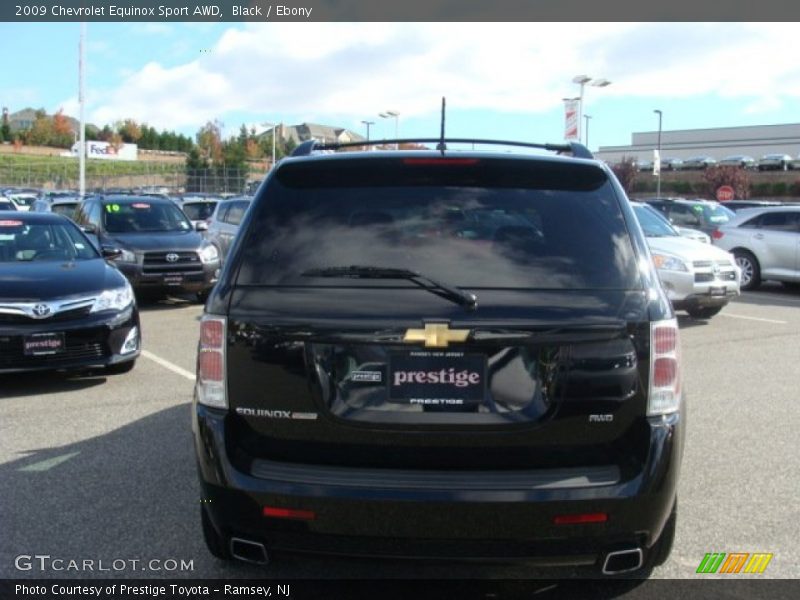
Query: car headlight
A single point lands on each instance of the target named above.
(667, 262)
(116, 299)
(209, 254)
(126, 256)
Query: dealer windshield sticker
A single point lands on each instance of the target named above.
(140, 205)
(112, 208)
(9, 223)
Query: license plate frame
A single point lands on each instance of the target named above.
(44, 344)
(173, 278)
(717, 291)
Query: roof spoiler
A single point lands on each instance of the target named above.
(573, 148)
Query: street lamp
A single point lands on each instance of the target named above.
(582, 80)
(658, 184)
(368, 123)
(272, 126)
(586, 118)
(393, 113)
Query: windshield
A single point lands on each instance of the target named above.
(65, 208)
(23, 242)
(653, 224)
(23, 200)
(144, 216)
(716, 213)
(475, 236)
(199, 211)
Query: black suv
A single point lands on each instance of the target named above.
(460, 354)
(159, 249)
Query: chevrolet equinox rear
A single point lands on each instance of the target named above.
(449, 354)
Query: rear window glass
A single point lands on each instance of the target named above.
(479, 226)
(199, 211)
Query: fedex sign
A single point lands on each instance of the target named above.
(107, 151)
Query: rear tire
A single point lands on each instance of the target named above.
(214, 541)
(703, 312)
(751, 271)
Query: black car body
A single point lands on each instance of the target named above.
(160, 249)
(352, 400)
(62, 305)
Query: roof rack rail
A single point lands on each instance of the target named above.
(575, 149)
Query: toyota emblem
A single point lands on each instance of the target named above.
(172, 257)
(41, 310)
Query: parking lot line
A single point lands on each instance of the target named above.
(168, 365)
(726, 314)
(46, 465)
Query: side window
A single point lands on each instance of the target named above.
(93, 213)
(683, 216)
(222, 213)
(236, 212)
(778, 221)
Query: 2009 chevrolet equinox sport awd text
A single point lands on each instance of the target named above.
(452, 354)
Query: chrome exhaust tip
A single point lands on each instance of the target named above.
(623, 561)
(249, 551)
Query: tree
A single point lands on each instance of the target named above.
(736, 177)
(129, 130)
(626, 172)
(209, 141)
(63, 135)
(41, 132)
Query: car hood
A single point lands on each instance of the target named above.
(46, 280)
(172, 240)
(687, 249)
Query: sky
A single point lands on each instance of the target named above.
(501, 80)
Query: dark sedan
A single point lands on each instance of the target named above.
(62, 305)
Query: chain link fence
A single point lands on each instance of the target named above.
(131, 176)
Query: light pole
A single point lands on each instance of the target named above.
(82, 117)
(658, 180)
(586, 118)
(368, 123)
(273, 126)
(396, 115)
(582, 80)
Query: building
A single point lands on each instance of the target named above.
(754, 140)
(312, 131)
(22, 120)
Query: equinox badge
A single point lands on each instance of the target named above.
(436, 335)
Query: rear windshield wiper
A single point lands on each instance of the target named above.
(450, 292)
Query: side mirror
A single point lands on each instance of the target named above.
(89, 228)
(111, 252)
(201, 226)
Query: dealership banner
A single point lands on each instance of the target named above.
(571, 118)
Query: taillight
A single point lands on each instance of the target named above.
(665, 380)
(717, 234)
(210, 384)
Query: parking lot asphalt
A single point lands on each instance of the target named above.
(97, 467)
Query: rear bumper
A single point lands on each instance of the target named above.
(397, 517)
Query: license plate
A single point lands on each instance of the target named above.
(716, 291)
(39, 344)
(437, 378)
(173, 279)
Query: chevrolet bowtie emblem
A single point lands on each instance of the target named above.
(436, 335)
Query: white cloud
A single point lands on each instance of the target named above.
(353, 70)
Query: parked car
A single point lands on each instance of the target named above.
(251, 186)
(774, 162)
(223, 225)
(22, 200)
(795, 164)
(159, 248)
(765, 242)
(440, 353)
(65, 205)
(739, 160)
(62, 306)
(697, 277)
(644, 165)
(6, 204)
(703, 215)
(671, 164)
(199, 208)
(698, 163)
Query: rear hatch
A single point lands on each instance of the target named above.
(437, 313)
